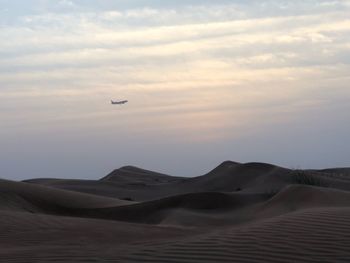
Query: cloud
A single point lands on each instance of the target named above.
(193, 52)
(66, 3)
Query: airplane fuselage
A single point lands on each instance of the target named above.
(118, 102)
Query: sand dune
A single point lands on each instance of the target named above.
(253, 212)
(205, 208)
(19, 196)
(136, 184)
(314, 235)
(135, 175)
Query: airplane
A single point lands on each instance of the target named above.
(119, 102)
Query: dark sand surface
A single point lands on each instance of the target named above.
(253, 212)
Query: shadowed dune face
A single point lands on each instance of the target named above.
(237, 212)
(19, 196)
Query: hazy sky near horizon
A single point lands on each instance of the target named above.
(207, 81)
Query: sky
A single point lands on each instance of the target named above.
(207, 81)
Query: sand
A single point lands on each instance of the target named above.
(253, 212)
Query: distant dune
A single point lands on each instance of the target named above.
(252, 212)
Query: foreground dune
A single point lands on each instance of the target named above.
(314, 235)
(250, 212)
